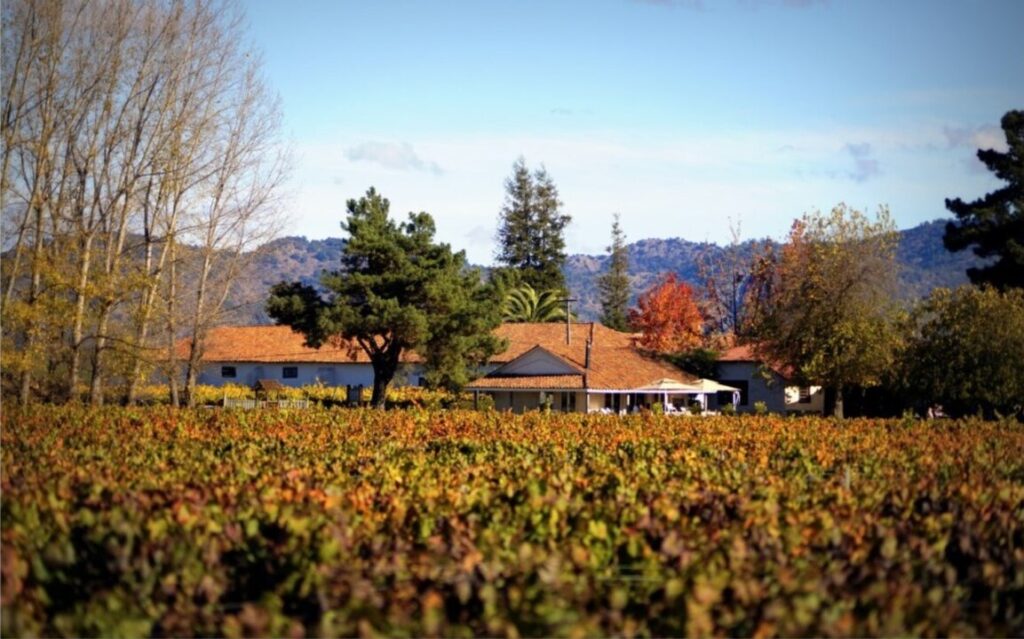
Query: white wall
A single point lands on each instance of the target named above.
(816, 405)
(246, 374)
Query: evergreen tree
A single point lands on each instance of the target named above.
(530, 232)
(396, 291)
(614, 284)
(994, 224)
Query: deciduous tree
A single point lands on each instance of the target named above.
(824, 305)
(396, 291)
(128, 129)
(994, 224)
(964, 351)
(667, 317)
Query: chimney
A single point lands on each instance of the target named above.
(568, 320)
(586, 363)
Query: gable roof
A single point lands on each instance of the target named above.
(615, 361)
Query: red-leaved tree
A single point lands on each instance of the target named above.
(667, 317)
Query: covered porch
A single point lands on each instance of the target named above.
(673, 396)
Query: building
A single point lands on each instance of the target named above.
(581, 367)
(245, 354)
(577, 367)
(740, 368)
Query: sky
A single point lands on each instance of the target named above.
(689, 118)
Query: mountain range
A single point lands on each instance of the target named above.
(924, 264)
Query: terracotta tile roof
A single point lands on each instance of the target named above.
(743, 353)
(615, 362)
(274, 344)
(538, 382)
(747, 353)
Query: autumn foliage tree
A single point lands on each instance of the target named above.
(823, 302)
(667, 317)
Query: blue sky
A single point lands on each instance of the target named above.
(683, 116)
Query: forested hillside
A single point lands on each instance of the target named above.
(925, 264)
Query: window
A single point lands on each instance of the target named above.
(613, 402)
(725, 397)
(805, 395)
(290, 372)
(228, 372)
(568, 402)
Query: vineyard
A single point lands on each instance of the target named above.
(154, 521)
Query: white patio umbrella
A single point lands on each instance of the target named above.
(667, 386)
(708, 386)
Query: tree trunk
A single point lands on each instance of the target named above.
(25, 391)
(96, 383)
(172, 326)
(385, 365)
(380, 391)
(834, 402)
(79, 321)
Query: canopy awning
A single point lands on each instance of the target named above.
(711, 386)
(667, 384)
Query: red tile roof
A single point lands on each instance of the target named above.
(274, 344)
(615, 362)
(748, 353)
(536, 382)
(743, 353)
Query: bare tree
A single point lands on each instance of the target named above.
(129, 131)
(723, 274)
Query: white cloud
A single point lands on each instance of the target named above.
(400, 157)
(679, 185)
(982, 137)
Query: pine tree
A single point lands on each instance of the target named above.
(530, 232)
(397, 290)
(994, 224)
(614, 284)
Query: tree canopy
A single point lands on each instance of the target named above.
(994, 224)
(530, 228)
(823, 304)
(964, 351)
(667, 317)
(141, 151)
(614, 283)
(397, 290)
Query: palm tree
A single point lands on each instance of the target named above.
(524, 304)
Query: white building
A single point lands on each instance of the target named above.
(577, 367)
